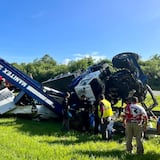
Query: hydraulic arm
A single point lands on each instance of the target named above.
(29, 86)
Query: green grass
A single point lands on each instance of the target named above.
(157, 108)
(22, 139)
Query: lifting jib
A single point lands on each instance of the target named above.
(28, 85)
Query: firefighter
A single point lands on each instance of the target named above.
(66, 113)
(85, 107)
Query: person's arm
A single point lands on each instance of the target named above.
(124, 117)
(101, 110)
(145, 119)
(145, 124)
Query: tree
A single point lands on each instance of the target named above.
(46, 67)
(81, 64)
(152, 69)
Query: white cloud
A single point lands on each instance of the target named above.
(95, 55)
(78, 56)
(66, 61)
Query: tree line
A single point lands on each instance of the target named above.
(46, 67)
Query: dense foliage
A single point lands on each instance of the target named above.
(46, 67)
(152, 69)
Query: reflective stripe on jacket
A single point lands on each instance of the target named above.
(107, 110)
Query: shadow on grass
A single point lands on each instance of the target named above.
(121, 155)
(81, 138)
(78, 138)
(52, 127)
(11, 123)
(45, 127)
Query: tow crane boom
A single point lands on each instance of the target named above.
(28, 86)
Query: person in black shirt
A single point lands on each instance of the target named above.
(85, 107)
(66, 113)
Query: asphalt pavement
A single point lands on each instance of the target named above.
(156, 93)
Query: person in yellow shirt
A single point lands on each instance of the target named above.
(105, 114)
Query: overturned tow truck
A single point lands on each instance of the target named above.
(45, 100)
(127, 79)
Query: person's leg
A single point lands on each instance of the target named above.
(67, 124)
(97, 122)
(129, 137)
(87, 121)
(110, 128)
(104, 130)
(139, 139)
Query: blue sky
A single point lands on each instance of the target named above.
(71, 29)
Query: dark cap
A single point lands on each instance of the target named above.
(101, 96)
(134, 99)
